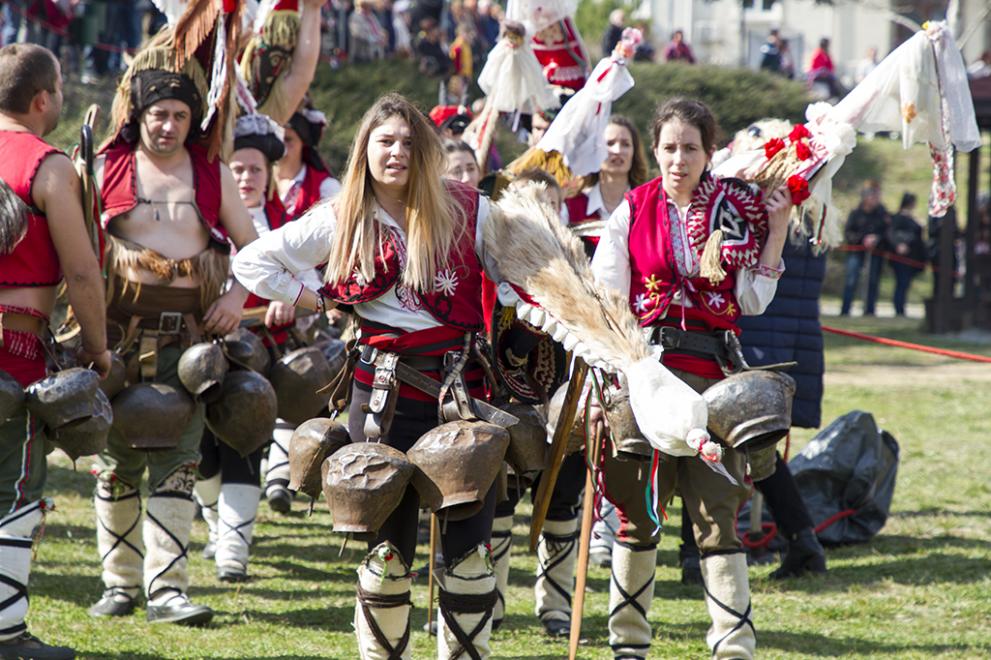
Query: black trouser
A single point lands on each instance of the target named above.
(564, 498)
(233, 468)
(411, 420)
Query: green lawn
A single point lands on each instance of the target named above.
(921, 589)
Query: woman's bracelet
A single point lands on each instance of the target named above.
(321, 303)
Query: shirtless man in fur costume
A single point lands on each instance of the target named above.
(168, 212)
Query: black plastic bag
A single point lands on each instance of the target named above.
(846, 475)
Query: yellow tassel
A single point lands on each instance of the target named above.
(710, 266)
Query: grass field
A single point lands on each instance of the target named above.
(921, 589)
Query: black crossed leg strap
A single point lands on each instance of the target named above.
(369, 600)
(236, 529)
(563, 545)
(630, 600)
(121, 539)
(452, 604)
(183, 549)
(742, 619)
(20, 590)
(503, 549)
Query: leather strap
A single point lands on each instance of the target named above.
(21, 323)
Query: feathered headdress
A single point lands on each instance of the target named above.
(189, 60)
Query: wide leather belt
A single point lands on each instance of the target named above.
(675, 339)
(418, 362)
(454, 402)
(723, 346)
(22, 323)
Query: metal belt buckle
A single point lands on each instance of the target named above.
(170, 323)
(372, 354)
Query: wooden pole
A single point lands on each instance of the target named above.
(581, 576)
(559, 443)
(430, 573)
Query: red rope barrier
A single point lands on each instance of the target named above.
(890, 256)
(945, 352)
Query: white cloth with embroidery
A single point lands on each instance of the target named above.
(578, 131)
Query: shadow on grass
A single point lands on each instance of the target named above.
(897, 545)
(328, 618)
(936, 568)
(809, 644)
(937, 512)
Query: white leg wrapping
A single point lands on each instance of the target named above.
(236, 510)
(277, 468)
(467, 597)
(381, 615)
(16, 537)
(502, 540)
(207, 493)
(604, 530)
(168, 522)
(631, 591)
(118, 534)
(727, 595)
(557, 551)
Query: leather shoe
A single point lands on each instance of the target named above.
(691, 567)
(180, 610)
(804, 555)
(29, 647)
(279, 499)
(231, 574)
(113, 602)
(557, 627)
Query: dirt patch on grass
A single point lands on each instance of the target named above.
(908, 375)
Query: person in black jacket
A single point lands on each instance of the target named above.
(864, 234)
(905, 239)
(789, 331)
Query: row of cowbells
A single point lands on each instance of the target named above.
(452, 467)
(232, 377)
(70, 404)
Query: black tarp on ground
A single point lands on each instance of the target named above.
(848, 467)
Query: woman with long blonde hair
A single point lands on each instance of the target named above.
(402, 249)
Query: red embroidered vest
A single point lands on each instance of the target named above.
(654, 277)
(33, 262)
(578, 214)
(119, 189)
(456, 297)
(309, 193)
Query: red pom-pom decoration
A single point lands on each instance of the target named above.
(773, 146)
(802, 150)
(798, 131)
(799, 189)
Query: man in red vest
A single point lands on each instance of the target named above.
(169, 210)
(40, 184)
